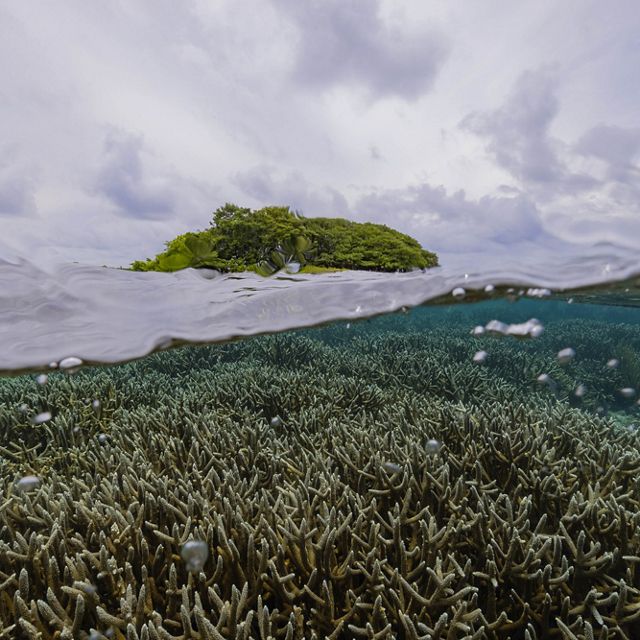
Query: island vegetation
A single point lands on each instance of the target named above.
(273, 238)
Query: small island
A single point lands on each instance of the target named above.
(273, 238)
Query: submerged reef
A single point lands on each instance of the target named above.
(306, 463)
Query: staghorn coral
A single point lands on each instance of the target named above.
(336, 523)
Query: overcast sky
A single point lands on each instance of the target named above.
(468, 125)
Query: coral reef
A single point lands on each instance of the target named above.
(339, 519)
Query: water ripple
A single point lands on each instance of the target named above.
(105, 315)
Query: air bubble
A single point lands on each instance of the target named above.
(566, 355)
(392, 467)
(433, 446)
(195, 554)
(276, 421)
(614, 363)
(458, 292)
(103, 438)
(42, 379)
(627, 392)
(70, 364)
(536, 330)
(580, 391)
(480, 357)
(41, 417)
(27, 483)
(478, 330)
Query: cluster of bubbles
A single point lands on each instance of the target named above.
(511, 293)
(431, 447)
(461, 292)
(532, 328)
(195, 553)
(538, 292)
(27, 483)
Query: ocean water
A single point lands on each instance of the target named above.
(450, 454)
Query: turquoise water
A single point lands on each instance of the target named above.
(403, 476)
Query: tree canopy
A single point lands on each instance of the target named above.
(268, 239)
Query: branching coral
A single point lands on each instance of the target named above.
(337, 522)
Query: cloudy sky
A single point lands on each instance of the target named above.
(471, 126)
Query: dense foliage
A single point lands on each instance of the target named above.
(267, 239)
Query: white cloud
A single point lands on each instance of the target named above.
(124, 124)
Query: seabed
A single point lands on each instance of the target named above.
(365, 482)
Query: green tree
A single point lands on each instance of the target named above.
(268, 239)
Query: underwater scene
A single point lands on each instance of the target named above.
(320, 320)
(469, 468)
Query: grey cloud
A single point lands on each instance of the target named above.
(17, 186)
(619, 230)
(575, 205)
(616, 146)
(518, 135)
(344, 42)
(123, 182)
(265, 186)
(517, 132)
(453, 221)
(16, 196)
(437, 218)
